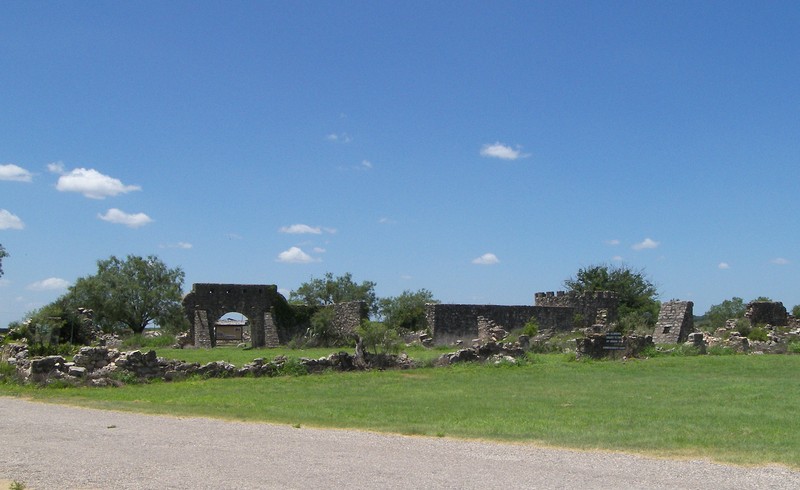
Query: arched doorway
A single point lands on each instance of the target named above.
(232, 328)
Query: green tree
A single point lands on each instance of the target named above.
(796, 311)
(406, 313)
(331, 290)
(732, 308)
(3, 254)
(638, 306)
(132, 293)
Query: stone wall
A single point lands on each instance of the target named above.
(348, 316)
(767, 312)
(450, 322)
(586, 306)
(675, 322)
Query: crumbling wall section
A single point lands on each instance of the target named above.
(348, 316)
(675, 322)
(767, 312)
(450, 323)
(587, 306)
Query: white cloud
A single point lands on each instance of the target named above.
(613, 242)
(319, 250)
(90, 182)
(647, 243)
(366, 164)
(724, 266)
(49, 284)
(299, 229)
(119, 217)
(780, 261)
(181, 245)
(617, 258)
(295, 256)
(486, 259)
(10, 221)
(13, 172)
(499, 150)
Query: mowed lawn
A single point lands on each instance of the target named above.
(736, 409)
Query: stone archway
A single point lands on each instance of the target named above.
(207, 302)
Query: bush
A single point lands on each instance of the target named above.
(378, 338)
(743, 327)
(794, 347)
(759, 334)
(531, 329)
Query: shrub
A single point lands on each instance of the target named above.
(531, 328)
(794, 347)
(758, 334)
(743, 326)
(379, 338)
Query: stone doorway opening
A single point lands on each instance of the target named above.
(232, 328)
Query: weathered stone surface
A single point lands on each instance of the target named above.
(767, 312)
(675, 322)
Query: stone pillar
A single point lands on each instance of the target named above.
(675, 322)
(202, 333)
(270, 330)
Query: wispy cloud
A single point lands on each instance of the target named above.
(781, 261)
(366, 164)
(339, 137)
(9, 221)
(723, 266)
(647, 243)
(617, 258)
(295, 255)
(119, 217)
(486, 259)
(613, 242)
(181, 245)
(300, 229)
(89, 182)
(49, 284)
(499, 150)
(14, 173)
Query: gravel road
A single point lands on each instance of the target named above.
(54, 446)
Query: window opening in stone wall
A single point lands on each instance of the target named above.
(232, 328)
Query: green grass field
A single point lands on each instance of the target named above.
(735, 409)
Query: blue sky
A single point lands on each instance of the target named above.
(482, 150)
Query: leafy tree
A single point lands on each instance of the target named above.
(406, 313)
(638, 306)
(732, 308)
(331, 290)
(796, 311)
(3, 254)
(132, 293)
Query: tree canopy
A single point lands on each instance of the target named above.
(637, 294)
(407, 311)
(331, 290)
(132, 292)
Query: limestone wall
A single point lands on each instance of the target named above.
(675, 322)
(586, 305)
(767, 312)
(451, 322)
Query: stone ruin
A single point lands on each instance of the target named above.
(272, 320)
(553, 311)
(767, 313)
(675, 322)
